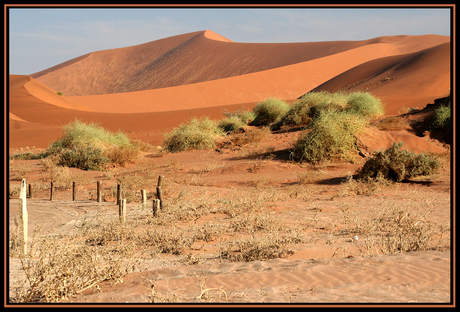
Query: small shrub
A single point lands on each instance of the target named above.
(312, 104)
(269, 111)
(123, 154)
(397, 164)
(230, 124)
(86, 158)
(300, 113)
(443, 121)
(91, 147)
(364, 104)
(199, 133)
(25, 156)
(403, 231)
(271, 246)
(332, 135)
(80, 134)
(235, 120)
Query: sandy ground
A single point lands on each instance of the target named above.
(328, 267)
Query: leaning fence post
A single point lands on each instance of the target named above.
(98, 191)
(122, 210)
(52, 191)
(24, 218)
(156, 204)
(160, 192)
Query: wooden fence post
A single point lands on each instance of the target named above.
(30, 191)
(98, 191)
(118, 193)
(52, 191)
(160, 192)
(144, 196)
(122, 210)
(156, 204)
(74, 191)
(23, 217)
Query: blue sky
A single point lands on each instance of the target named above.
(43, 37)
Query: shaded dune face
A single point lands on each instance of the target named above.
(152, 87)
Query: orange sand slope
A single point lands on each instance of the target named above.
(35, 122)
(196, 57)
(400, 81)
(213, 73)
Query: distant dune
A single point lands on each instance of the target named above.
(407, 80)
(195, 57)
(149, 88)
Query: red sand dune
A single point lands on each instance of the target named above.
(212, 73)
(407, 80)
(198, 57)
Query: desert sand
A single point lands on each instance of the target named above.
(160, 84)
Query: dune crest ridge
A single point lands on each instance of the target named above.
(214, 36)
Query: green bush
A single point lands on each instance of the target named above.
(235, 120)
(89, 146)
(86, 158)
(80, 134)
(269, 111)
(442, 117)
(364, 104)
(312, 103)
(398, 164)
(199, 133)
(300, 113)
(332, 134)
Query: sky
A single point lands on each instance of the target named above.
(39, 38)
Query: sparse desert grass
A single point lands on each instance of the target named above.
(63, 267)
(19, 170)
(257, 248)
(242, 226)
(103, 249)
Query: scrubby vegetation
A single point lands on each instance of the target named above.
(91, 147)
(398, 164)
(312, 103)
(235, 120)
(88, 147)
(442, 121)
(199, 133)
(331, 135)
(334, 120)
(269, 111)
